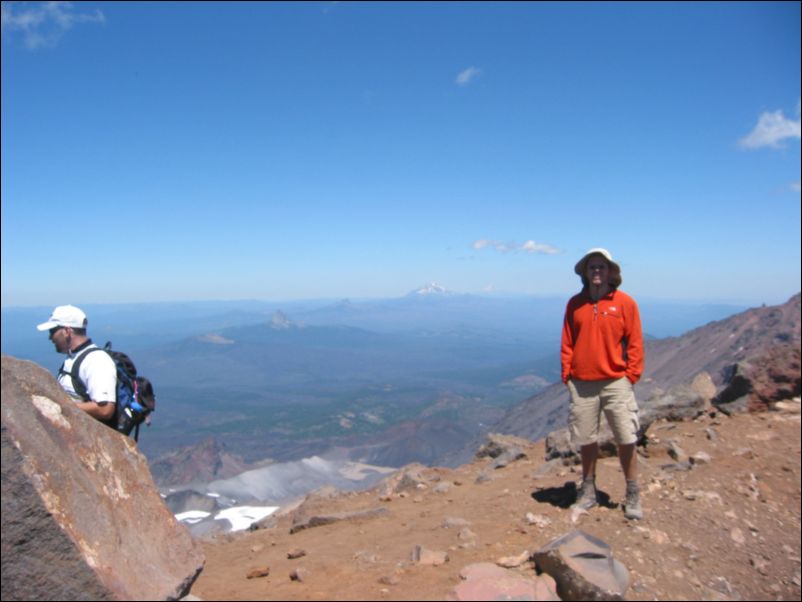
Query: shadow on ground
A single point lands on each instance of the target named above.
(565, 496)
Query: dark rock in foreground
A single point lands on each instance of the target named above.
(82, 518)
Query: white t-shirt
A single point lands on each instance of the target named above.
(97, 372)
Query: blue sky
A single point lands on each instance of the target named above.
(182, 151)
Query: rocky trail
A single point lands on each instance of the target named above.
(721, 498)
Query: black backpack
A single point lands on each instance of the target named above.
(135, 397)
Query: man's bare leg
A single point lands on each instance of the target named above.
(586, 498)
(629, 464)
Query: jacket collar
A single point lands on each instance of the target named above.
(608, 297)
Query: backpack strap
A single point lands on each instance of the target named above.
(74, 374)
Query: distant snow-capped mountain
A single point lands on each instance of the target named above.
(432, 289)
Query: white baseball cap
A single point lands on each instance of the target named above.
(65, 315)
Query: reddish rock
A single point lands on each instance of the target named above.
(82, 518)
(258, 573)
(302, 522)
(426, 557)
(758, 383)
(485, 581)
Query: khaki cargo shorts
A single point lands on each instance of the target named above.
(616, 398)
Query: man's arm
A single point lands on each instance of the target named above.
(634, 337)
(567, 345)
(102, 410)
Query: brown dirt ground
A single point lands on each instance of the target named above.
(738, 539)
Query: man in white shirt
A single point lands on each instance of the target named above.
(93, 386)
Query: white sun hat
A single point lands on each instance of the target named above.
(615, 270)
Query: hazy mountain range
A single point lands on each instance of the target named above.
(392, 380)
(766, 337)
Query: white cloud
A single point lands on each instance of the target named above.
(796, 186)
(43, 24)
(465, 77)
(530, 246)
(482, 243)
(772, 128)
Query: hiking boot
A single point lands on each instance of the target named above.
(586, 498)
(632, 507)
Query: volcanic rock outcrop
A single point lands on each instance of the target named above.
(82, 518)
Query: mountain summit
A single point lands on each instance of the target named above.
(431, 289)
(280, 321)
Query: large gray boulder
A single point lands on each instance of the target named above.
(82, 518)
(583, 567)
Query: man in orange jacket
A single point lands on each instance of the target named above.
(602, 358)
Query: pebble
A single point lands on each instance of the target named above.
(737, 536)
(259, 572)
(538, 520)
(511, 562)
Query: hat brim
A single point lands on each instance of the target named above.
(47, 325)
(614, 279)
(581, 266)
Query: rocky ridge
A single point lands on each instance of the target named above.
(204, 462)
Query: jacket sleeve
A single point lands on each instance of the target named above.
(567, 344)
(634, 337)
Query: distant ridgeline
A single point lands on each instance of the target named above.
(390, 381)
(708, 363)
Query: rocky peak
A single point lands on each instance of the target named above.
(280, 321)
(205, 461)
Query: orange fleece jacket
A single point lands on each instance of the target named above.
(602, 340)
